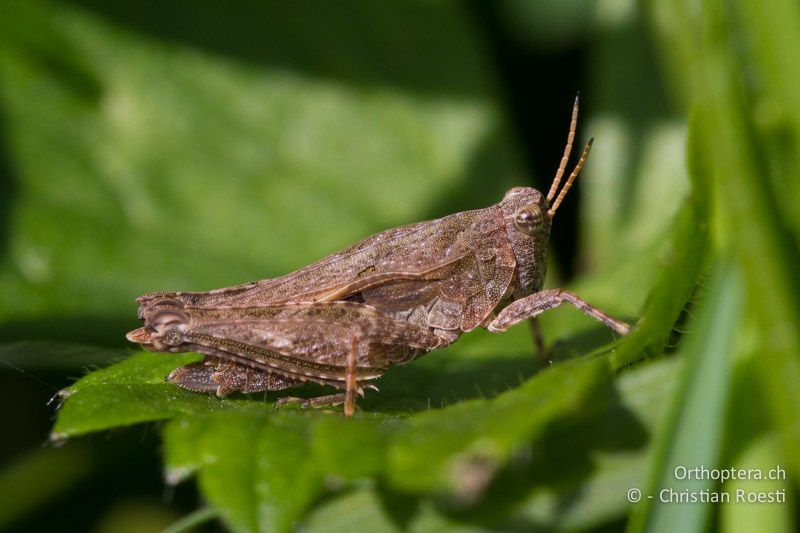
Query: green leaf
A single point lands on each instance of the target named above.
(129, 392)
(145, 368)
(425, 457)
(746, 130)
(582, 475)
(694, 435)
(259, 467)
(263, 470)
(369, 510)
(611, 431)
(763, 454)
(356, 510)
(353, 449)
(764, 246)
(257, 471)
(682, 264)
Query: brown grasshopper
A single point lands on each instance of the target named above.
(388, 299)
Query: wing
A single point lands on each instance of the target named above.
(276, 290)
(456, 295)
(305, 342)
(447, 273)
(425, 251)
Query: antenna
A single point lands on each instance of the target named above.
(573, 126)
(568, 184)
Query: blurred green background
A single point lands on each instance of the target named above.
(195, 145)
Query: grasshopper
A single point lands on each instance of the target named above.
(389, 299)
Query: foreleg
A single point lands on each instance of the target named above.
(537, 303)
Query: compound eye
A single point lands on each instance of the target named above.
(528, 218)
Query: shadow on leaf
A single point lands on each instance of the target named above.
(560, 462)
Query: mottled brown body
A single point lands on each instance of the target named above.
(388, 299)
